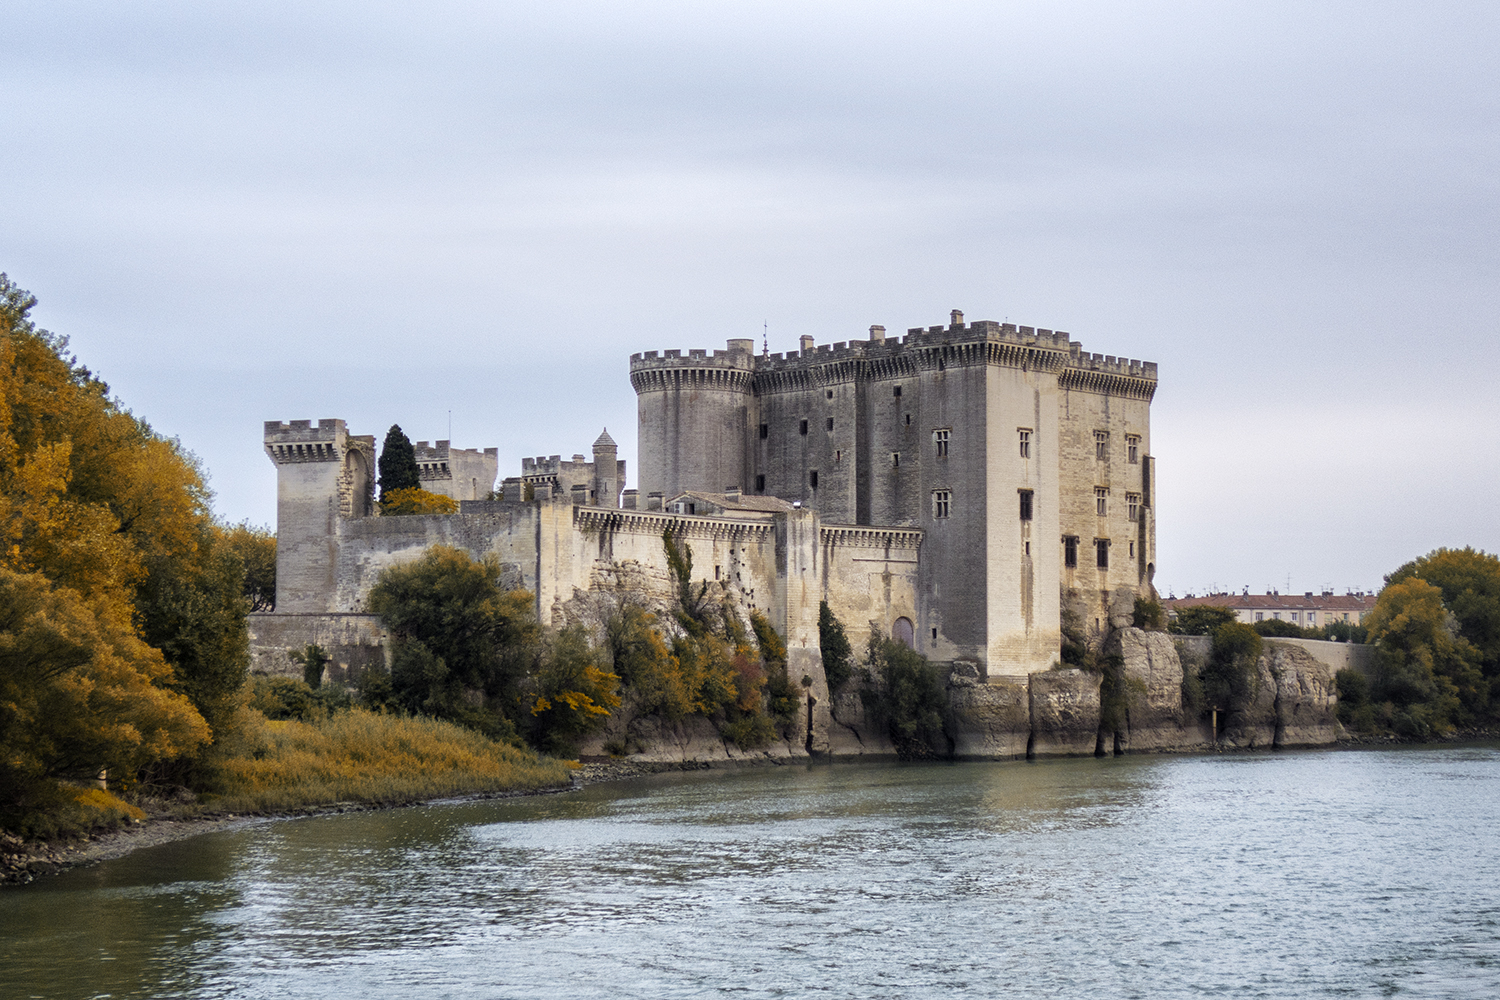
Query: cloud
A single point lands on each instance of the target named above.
(380, 211)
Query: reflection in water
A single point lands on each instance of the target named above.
(1293, 874)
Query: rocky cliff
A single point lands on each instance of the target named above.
(1132, 704)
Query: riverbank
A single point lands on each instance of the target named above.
(22, 862)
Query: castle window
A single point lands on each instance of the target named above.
(765, 431)
(1070, 551)
(1101, 501)
(896, 459)
(1025, 505)
(1101, 552)
(1101, 445)
(1025, 435)
(942, 503)
(830, 393)
(940, 442)
(760, 484)
(1133, 504)
(908, 420)
(1132, 550)
(897, 392)
(1133, 448)
(830, 423)
(803, 430)
(812, 479)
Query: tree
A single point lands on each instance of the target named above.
(462, 645)
(1202, 619)
(192, 607)
(79, 692)
(397, 503)
(256, 548)
(1427, 671)
(313, 659)
(838, 655)
(571, 695)
(647, 665)
(1231, 677)
(1275, 628)
(909, 700)
(1470, 582)
(105, 531)
(398, 463)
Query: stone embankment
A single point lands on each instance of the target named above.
(1133, 704)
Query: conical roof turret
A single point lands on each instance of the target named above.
(605, 441)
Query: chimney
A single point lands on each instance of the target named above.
(877, 333)
(956, 318)
(731, 494)
(807, 344)
(738, 346)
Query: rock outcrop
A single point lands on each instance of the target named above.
(1064, 712)
(1150, 681)
(989, 720)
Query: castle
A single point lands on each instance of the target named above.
(957, 488)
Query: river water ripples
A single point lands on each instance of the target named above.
(1311, 874)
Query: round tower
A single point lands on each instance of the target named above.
(694, 418)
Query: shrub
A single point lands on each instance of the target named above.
(749, 731)
(415, 500)
(290, 698)
(312, 658)
(66, 811)
(1230, 678)
(572, 695)
(1354, 709)
(361, 756)
(833, 643)
(1149, 615)
(909, 700)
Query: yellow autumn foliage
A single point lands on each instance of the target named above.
(415, 500)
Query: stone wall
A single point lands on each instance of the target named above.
(354, 642)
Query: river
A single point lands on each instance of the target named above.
(1303, 874)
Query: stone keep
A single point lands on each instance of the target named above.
(1024, 460)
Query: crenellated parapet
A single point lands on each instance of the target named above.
(935, 348)
(306, 441)
(1109, 375)
(728, 371)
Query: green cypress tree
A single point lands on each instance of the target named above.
(398, 463)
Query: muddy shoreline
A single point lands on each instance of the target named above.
(22, 862)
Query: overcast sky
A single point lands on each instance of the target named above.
(387, 212)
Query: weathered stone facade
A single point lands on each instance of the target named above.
(1024, 461)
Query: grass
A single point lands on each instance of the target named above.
(361, 756)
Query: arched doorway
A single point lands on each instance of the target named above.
(903, 632)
